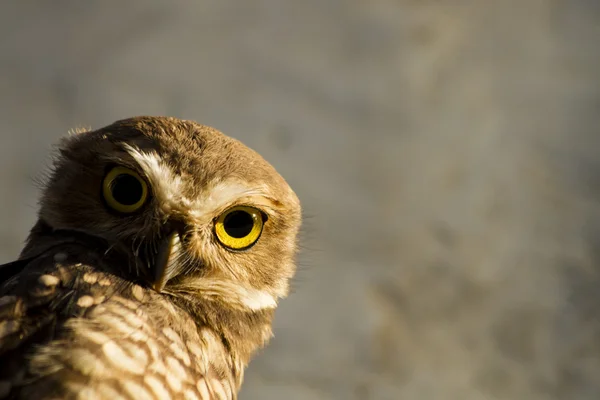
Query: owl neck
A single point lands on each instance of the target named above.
(242, 332)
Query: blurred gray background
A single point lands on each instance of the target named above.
(446, 153)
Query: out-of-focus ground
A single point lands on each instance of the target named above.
(446, 152)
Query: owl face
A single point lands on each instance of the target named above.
(196, 212)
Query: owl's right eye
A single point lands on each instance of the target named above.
(124, 190)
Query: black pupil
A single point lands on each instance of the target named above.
(238, 224)
(126, 189)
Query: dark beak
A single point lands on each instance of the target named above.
(167, 264)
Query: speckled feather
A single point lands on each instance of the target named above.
(79, 315)
(71, 330)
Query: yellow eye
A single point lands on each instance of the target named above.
(124, 190)
(239, 227)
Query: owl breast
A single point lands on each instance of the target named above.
(97, 336)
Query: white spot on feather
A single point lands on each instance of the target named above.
(154, 350)
(160, 391)
(190, 395)
(85, 301)
(120, 359)
(88, 364)
(104, 282)
(175, 367)
(90, 278)
(116, 323)
(201, 361)
(108, 392)
(137, 292)
(137, 391)
(48, 280)
(218, 389)
(227, 387)
(93, 336)
(171, 334)
(127, 303)
(180, 353)
(194, 348)
(134, 319)
(173, 381)
(203, 389)
(136, 352)
(139, 336)
(158, 367)
(83, 392)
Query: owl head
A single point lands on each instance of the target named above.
(196, 212)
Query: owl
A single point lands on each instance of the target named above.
(153, 271)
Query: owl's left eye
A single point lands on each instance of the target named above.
(239, 227)
(124, 190)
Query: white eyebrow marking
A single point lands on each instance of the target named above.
(164, 183)
(168, 187)
(220, 195)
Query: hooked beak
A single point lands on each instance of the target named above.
(166, 265)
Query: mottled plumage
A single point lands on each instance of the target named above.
(164, 298)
